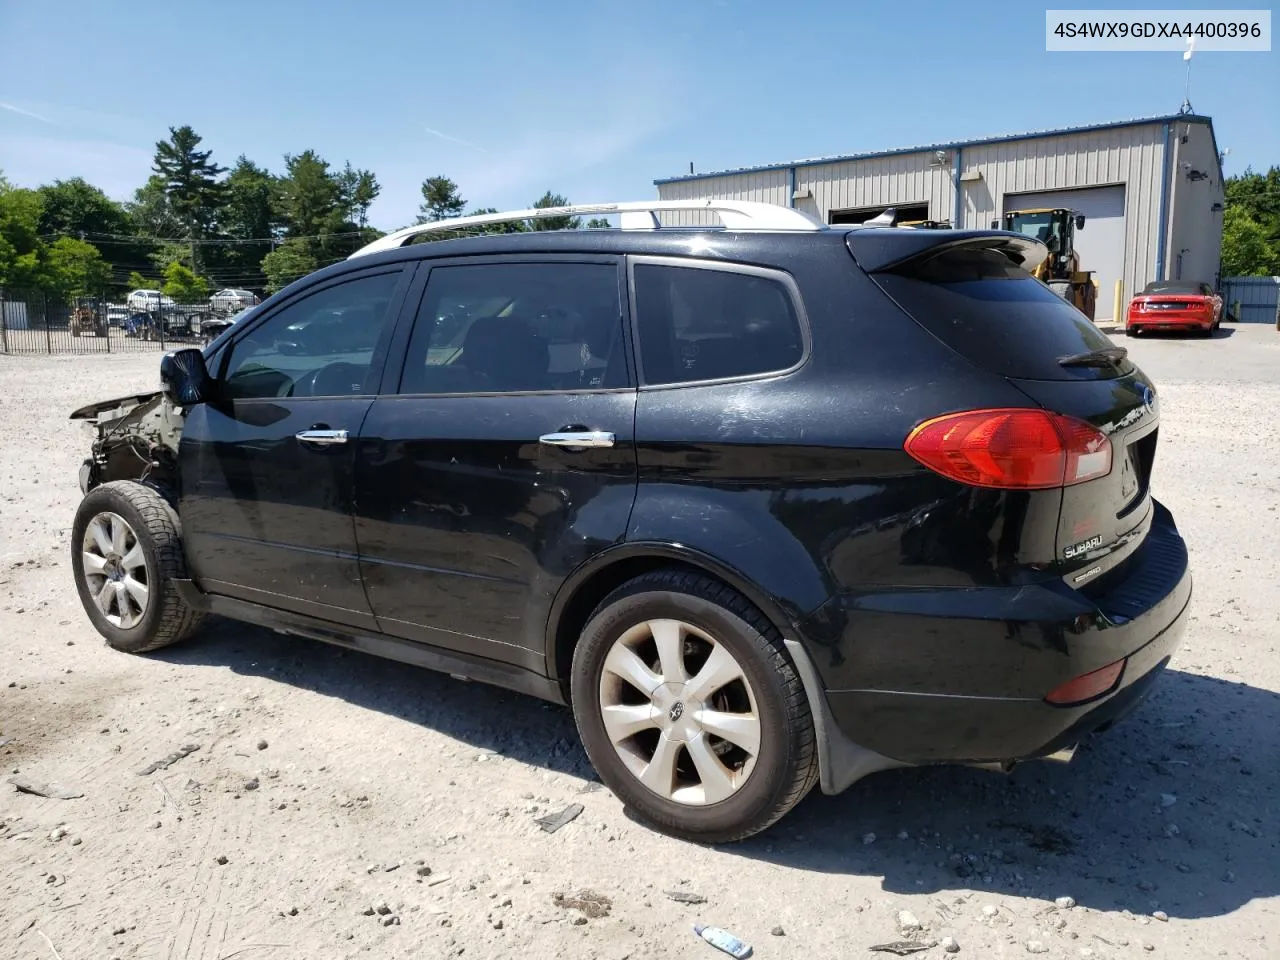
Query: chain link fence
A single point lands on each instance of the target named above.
(32, 322)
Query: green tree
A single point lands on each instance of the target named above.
(315, 208)
(151, 212)
(598, 223)
(20, 246)
(367, 190)
(75, 208)
(71, 207)
(138, 282)
(247, 216)
(357, 189)
(550, 199)
(309, 196)
(1246, 250)
(191, 184)
(75, 268)
(440, 200)
(1251, 224)
(181, 283)
(291, 261)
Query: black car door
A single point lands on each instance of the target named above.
(267, 465)
(503, 457)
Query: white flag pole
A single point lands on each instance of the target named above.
(1186, 56)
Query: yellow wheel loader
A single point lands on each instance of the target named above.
(1056, 228)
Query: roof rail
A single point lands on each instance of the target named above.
(639, 215)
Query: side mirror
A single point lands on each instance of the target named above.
(1079, 221)
(184, 377)
(995, 224)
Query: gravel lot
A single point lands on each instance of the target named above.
(341, 806)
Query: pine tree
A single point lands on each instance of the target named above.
(191, 184)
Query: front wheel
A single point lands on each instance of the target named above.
(126, 551)
(691, 710)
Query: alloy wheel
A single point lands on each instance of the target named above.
(680, 712)
(115, 570)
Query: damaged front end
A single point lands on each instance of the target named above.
(135, 438)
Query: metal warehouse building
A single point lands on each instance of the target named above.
(1151, 190)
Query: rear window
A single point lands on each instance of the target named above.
(1174, 287)
(997, 315)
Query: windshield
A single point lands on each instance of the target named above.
(1039, 226)
(1173, 286)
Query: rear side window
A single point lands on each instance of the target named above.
(996, 315)
(697, 323)
(515, 327)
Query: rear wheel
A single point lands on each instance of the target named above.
(691, 710)
(1132, 331)
(126, 551)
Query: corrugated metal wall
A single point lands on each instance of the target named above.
(768, 186)
(1133, 156)
(879, 182)
(1195, 228)
(1253, 299)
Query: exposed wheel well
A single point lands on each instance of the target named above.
(588, 594)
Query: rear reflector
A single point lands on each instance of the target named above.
(1088, 687)
(1015, 449)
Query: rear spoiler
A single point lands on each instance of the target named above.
(883, 250)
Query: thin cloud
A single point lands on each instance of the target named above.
(25, 113)
(118, 169)
(452, 139)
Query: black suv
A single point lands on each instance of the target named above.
(767, 507)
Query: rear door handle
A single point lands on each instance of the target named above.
(323, 438)
(581, 439)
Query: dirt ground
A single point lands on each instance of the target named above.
(341, 806)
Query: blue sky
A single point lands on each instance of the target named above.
(593, 100)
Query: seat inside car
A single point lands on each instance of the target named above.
(507, 352)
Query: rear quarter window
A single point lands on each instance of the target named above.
(703, 323)
(998, 316)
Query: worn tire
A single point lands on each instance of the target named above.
(786, 767)
(167, 619)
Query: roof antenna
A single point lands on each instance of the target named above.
(1186, 97)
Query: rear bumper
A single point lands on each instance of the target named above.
(946, 710)
(1170, 321)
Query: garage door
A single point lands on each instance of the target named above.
(1101, 242)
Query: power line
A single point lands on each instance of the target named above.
(138, 238)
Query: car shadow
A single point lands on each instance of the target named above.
(1117, 330)
(487, 717)
(1160, 812)
(1222, 333)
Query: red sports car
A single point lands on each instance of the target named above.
(1174, 305)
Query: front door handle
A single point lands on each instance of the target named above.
(580, 439)
(322, 438)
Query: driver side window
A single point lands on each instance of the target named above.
(319, 346)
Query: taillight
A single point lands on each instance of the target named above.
(1138, 306)
(1017, 449)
